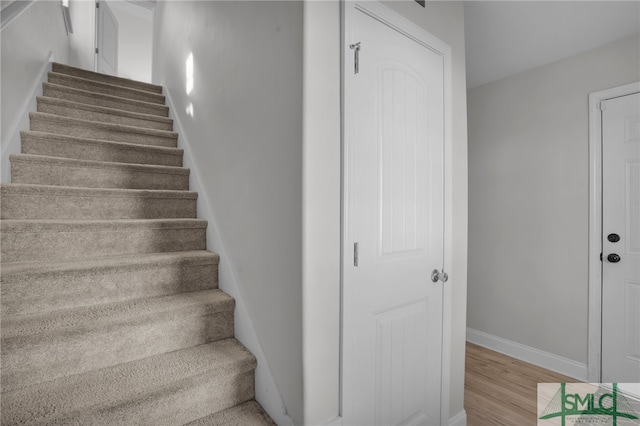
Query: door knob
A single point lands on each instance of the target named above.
(613, 258)
(442, 276)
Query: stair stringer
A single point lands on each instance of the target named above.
(12, 144)
(266, 390)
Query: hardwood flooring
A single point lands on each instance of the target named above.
(502, 391)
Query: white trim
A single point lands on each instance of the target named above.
(13, 142)
(553, 362)
(387, 16)
(267, 393)
(594, 351)
(459, 419)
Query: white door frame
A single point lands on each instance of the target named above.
(387, 16)
(594, 354)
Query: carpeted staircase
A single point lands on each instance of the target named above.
(111, 312)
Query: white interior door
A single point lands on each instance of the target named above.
(621, 239)
(107, 40)
(394, 212)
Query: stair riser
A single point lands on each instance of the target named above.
(42, 173)
(31, 360)
(86, 130)
(107, 89)
(190, 401)
(69, 207)
(178, 404)
(64, 69)
(28, 246)
(79, 150)
(84, 114)
(38, 293)
(70, 94)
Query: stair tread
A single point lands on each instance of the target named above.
(104, 110)
(26, 269)
(248, 414)
(163, 109)
(68, 69)
(108, 126)
(43, 225)
(122, 145)
(45, 326)
(122, 383)
(53, 190)
(98, 86)
(72, 162)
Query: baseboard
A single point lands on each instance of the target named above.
(337, 421)
(553, 362)
(12, 143)
(459, 419)
(267, 393)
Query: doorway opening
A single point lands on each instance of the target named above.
(124, 38)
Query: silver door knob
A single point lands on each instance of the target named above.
(442, 276)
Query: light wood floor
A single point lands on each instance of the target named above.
(500, 390)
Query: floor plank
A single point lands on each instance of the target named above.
(502, 391)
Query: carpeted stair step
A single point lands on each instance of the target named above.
(101, 99)
(51, 145)
(49, 123)
(27, 201)
(42, 170)
(42, 347)
(38, 287)
(248, 414)
(41, 240)
(167, 389)
(100, 114)
(119, 81)
(106, 88)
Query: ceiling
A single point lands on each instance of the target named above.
(504, 38)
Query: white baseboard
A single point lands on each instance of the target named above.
(267, 393)
(334, 422)
(459, 419)
(553, 362)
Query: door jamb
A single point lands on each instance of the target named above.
(378, 11)
(594, 353)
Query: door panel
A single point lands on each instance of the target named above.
(621, 215)
(107, 40)
(394, 211)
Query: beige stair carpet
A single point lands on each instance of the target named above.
(110, 307)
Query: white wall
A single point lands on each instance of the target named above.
(245, 137)
(135, 39)
(25, 46)
(444, 20)
(528, 199)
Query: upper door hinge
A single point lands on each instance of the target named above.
(356, 48)
(356, 254)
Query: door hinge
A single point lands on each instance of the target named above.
(356, 51)
(602, 106)
(97, 5)
(356, 254)
(600, 257)
(97, 51)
